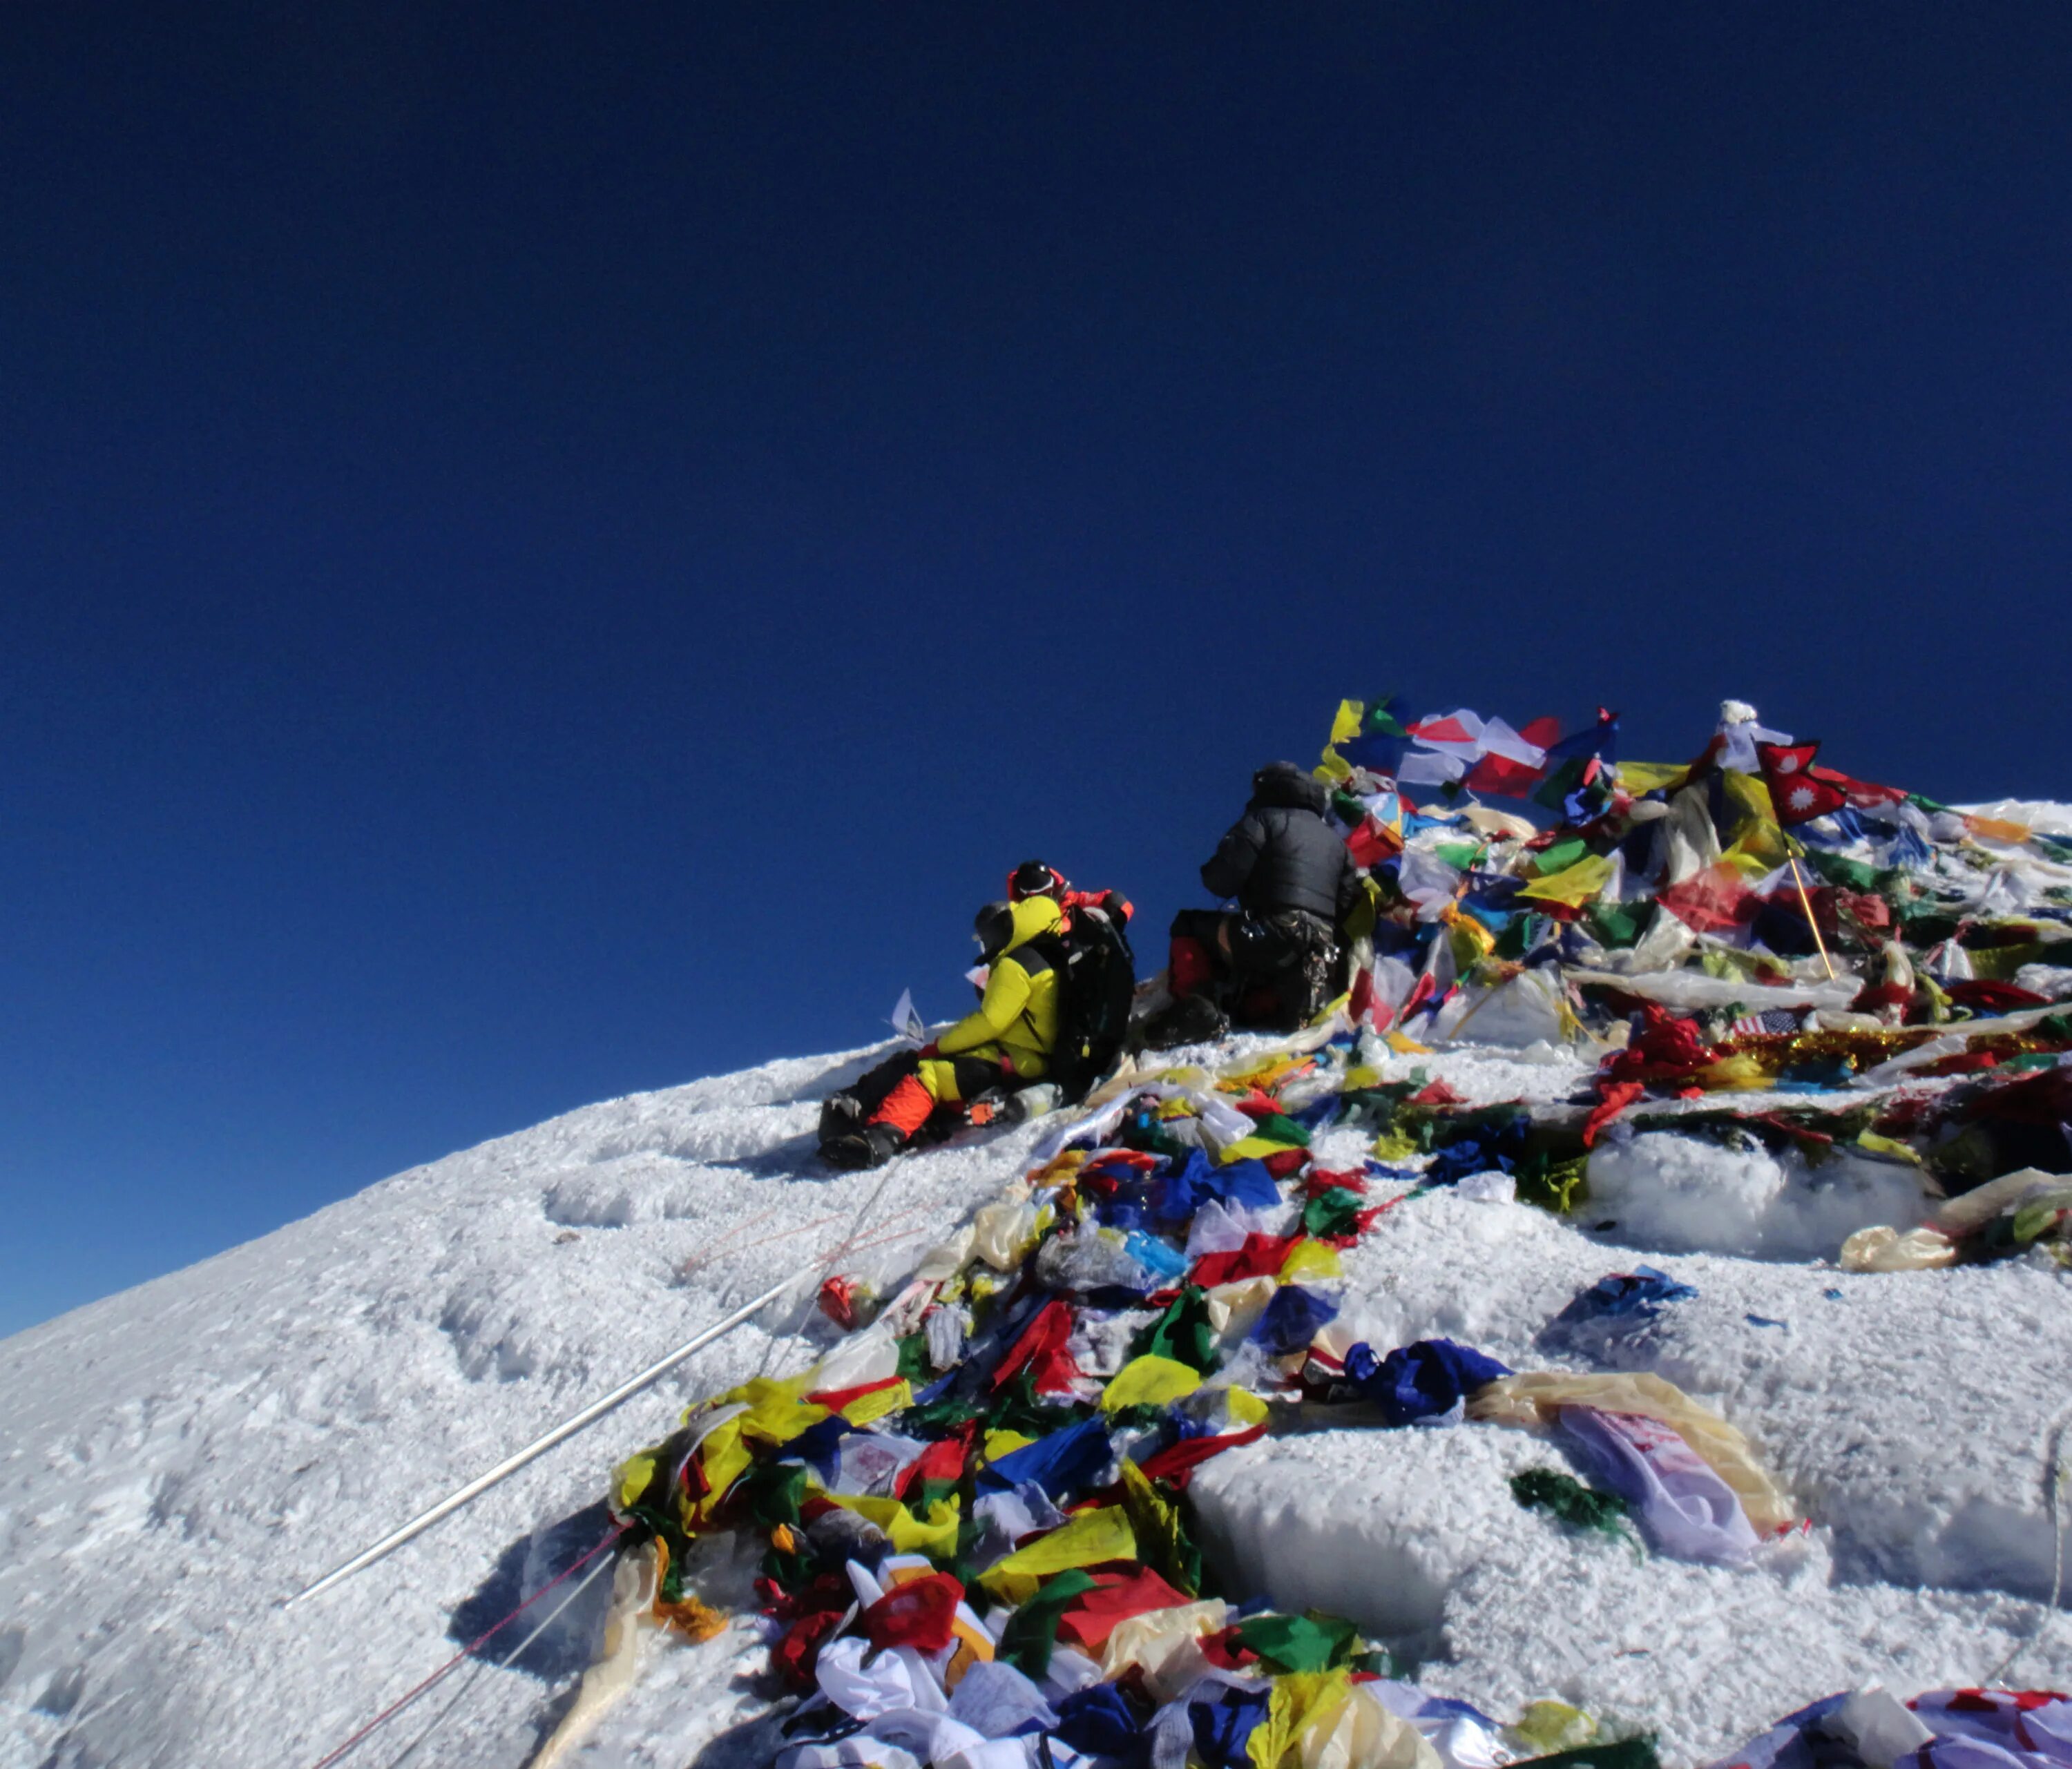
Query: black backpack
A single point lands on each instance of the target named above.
(1096, 982)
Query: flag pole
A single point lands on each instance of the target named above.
(1806, 903)
(539, 1447)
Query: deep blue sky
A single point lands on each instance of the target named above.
(549, 551)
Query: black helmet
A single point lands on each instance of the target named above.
(993, 926)
(1033, 878)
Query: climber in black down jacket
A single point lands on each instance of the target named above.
(1271, 963)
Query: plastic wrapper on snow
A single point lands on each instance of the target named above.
(1679, 1194)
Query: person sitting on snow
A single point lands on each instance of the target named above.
(1002, 1047)
(1033, 878)
(1271, 963)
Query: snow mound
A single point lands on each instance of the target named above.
(1678, 1194)
(1415, 1535)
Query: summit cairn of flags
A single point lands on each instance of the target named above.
(975, 1547)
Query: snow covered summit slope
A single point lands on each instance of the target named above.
(175, 1460)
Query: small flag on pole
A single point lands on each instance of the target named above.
(906, 1020)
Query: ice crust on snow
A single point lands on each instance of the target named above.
(175, 1459)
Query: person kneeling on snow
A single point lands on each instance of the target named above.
(1271, 963)
(1002, 1047)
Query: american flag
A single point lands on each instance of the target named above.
(1771, 1023)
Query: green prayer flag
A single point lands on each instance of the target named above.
(1626, 1753)
(1332, 1212)
(1299, 1642)
(1032, 1630)
(1275, 1128)
(774, 1491)
(1182, 1333)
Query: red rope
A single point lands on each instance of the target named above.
(466, 1651)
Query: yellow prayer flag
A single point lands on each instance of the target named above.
(1732, 1074)
(1299, 1701)
(1149, 1381)
(631, 1480)
(1252, 1149)
(1307, 1259)
(722, 1458)
(777, 1411)
(1875, 1144)
(934, 1534)
(1640, 778)
(1088, 1538)
(1573, 885)
(1244, 1407)
(1996, 829)
(879, 1402)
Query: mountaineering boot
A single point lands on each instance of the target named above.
(1193, 1020)
(872, 1146)
(840, 1114)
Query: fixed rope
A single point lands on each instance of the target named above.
(466, 1651)
(504, 1664)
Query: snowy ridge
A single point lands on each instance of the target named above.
(178, 1458)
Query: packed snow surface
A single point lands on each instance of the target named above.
(177, 1459)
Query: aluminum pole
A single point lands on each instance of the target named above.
(539, 1447)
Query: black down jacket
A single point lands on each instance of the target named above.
(1282, 854)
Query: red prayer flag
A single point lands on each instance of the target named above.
(1323, 1179)
(1613, 1099)
(1225, 1650)
(1446, 729)
(1261, 1256)
(1707, 901)
(1176, 1463)
(1372, 843)
(1363, 995)
(796, 1655)
(1510, 779)
(1041, 1348)
(835, 1399)
(919, 1613)
(942, 1460)
(1089, 1619)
